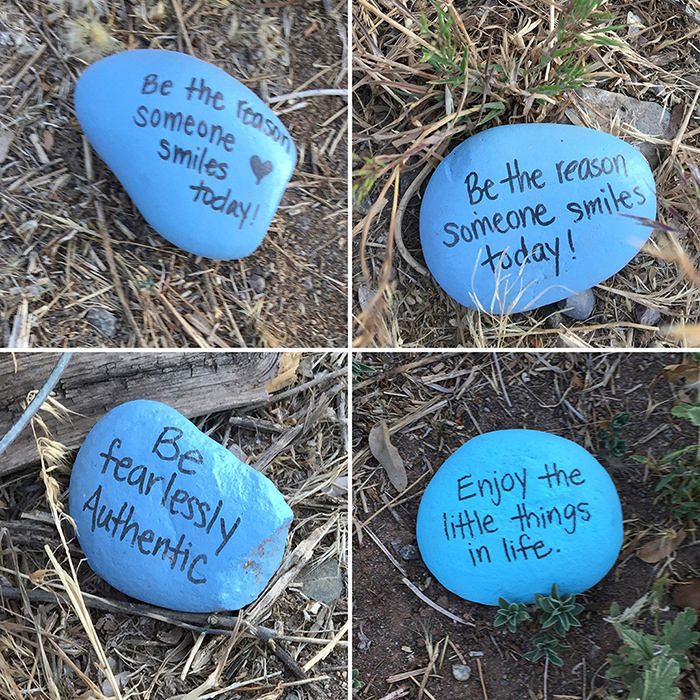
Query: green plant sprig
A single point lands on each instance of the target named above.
(546, 645)
(557, 612)
(510, 614)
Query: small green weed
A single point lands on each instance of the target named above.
(650, 664)
(358, 369)
(557, 612)
(356, 684)
(546, 645)
(612, 439)
(449, 60)
(510, 614)
(558, 615)
(372, 169)
(148, 284)
(582, 26)
(679, 485)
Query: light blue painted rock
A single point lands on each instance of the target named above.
(169, 516)
(521, 216)
(201, 156)
(512, 512)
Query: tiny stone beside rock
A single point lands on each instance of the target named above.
(461, 672)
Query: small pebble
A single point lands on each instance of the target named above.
(461, 672)
(647, 316)
(257, 283)
(409, 552)
(104, 320)
(303, 223)
(579, 306)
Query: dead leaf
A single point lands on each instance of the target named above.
(388, 456)
(6, 139)
(47, 139)
(286, 373)
(37, 577)
(687, 595)
(660, 548)
(674, 373)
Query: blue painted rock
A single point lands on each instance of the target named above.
(169, 516)
(512, 512)
(201, 156)
(521, 216)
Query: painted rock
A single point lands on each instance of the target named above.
(521, 216)
(170, 517)
(201, 156)
(512, 512)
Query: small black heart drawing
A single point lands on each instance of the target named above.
(260, 169)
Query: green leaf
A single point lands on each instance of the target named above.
(689, 411)
(658, 681)
(638, 642)
(679, 634)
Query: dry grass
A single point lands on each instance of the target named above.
(66, 633)
(410, 111)
(82, 268)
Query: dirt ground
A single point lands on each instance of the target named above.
(57, 650)
(432, 405)
(413, 104)
(70, 281)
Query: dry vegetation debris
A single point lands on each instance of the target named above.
(81, 266)
(66, 633)
(429, 75)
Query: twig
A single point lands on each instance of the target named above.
(481, 678)
(297, 389)
(429, 668)
(398, 235)
(112, 263)
(323, 653)
(35, 405)
(500, 377)
(435, 606)
(181, 22)
(323, 92)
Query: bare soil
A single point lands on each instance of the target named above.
(433, 404)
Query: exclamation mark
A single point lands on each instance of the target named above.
(257, 207)
(571, 245)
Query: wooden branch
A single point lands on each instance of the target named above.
(194, 383)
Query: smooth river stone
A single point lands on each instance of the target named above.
(512, 512)
(202, 157)
(526, 215)
(169, 516)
